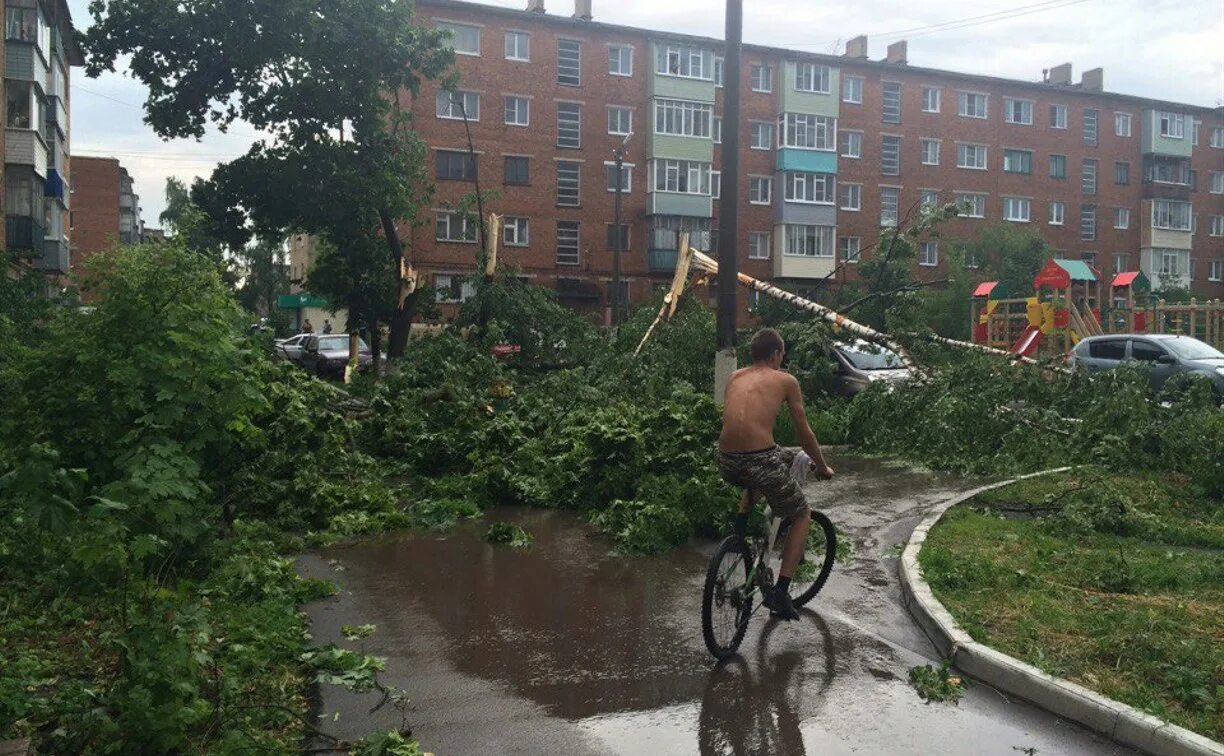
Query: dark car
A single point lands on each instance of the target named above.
(1164, 354)
(859, 364)
(326, 355)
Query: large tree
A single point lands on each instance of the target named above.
(327, 81)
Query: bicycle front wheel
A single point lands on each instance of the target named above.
(726, 601)
(817, 561)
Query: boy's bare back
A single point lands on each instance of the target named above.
(750, 407)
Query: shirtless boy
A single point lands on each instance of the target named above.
(748, 457)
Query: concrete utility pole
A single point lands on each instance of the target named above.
(728, 207)
(616, 300)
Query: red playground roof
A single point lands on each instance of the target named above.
(1133, 278)
(984, 288)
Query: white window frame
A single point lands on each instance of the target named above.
(526, 102)
(1122, 218)
(843, 248)
(577, 64)
(687, 118)
(848, 90)
(1058, 116)
(794, 128)
(1058, 213)
(886, 139)
(1217, 226)
(813, 78)
(931, 104)
(962, 105)
(685, 56)
(716, 129)
(972, 200)
(517, 55)
(822, 240)
(929, 156)
(760, 77)
(928, 254)
(1164, 217)
(884, 105)
(890, 219)
(444, 285)
(1217, 137)
(1017, 203)
(453, 112)
(850, 135)
(758, 240)
(756, 144)
(1217, 182)
(1010, 105)
(622, 48)
(1169, 125)
(716, 184)
(801, 187)
(577, 181)
(762, 187)
(577, 243)
(720, 65)
(522, 231)
(978, 149)
(1090, 170)
(1093, 116)
(1020, 156)
(667, 175)
(846, 192)
(453, 27)
(1215, 270)
(576, 127)
(1088, 222)
(619, 110)
(1121, 262)
(466, 226)
(1122, 124)
(627, 169)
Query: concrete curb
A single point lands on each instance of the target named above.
(1116, 720)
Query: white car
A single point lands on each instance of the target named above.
(291, 348)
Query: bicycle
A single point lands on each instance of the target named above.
(727, 602)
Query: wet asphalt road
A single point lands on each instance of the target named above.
(566, 648)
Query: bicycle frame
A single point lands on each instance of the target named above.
(771, 538)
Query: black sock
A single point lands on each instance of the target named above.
(741, 523)
(784, 584)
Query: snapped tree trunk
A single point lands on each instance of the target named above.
(401, 320)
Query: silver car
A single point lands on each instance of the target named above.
(1164, 354)
(859, 364)
(291, 348)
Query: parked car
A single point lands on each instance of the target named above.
(326, 355)
(1166, 355)
(858, 364)
(291, 348)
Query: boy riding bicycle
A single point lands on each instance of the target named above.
(748, 457)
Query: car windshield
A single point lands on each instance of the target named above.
(338, 343)
(866, 356)
(1193, 349)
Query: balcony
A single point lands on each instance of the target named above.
(23, 233)
(54, 257)
(21, 61)
(1165, 190)
(26, 147)
(662, 260)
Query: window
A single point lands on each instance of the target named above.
(852, 89)
(1016, 209)
(625, 236)
(454, 227)
(567, 242)
(761, 77)
(456, 104)
(930, 99)
(455, 165)
(569, 62)
(807, 132)
(569, 182)
(1122, 124)
(514, 232)
(1018, 111)
(518, 111)
(851, 248)
(890, 155)
(928, 198)
(1090, 126)
(1171, 125)
(1058, 116)
(679, 60)
(1018, 161)
(890, 198)
(1171, 215)
(716, 184)
(1217, 225)
(1195, 126)
(758, 245)
(719, 64)
(971, 156)
(465, 39)
(808, 241)
(23, 105)
(928, 254)
(852, 144)
(1217, 137)
(620, 60)
(569, 125)
(626, 176)
(1087, 222)
(972, 205)
(681, 176)
(810, 188)
(1122, 218)
(620, 120)
(1107, 349)
(450, 289)
(760, 190)
(891, 112)
(518, 46)
(1058, 166)
(1217, 182)
(1058, 213)
(851, 197)
(930, 152)
(1089, 176)
(1170, 261)
(23, 25)
(1121, 172)
(716, 129)
(1120, 263)
(810, 77)
(1215, 271)
(682, 118)
(516, 170)
(760, 135)
(972, 105)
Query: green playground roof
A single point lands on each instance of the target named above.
(1077, 269)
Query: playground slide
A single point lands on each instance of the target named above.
(1027, 344)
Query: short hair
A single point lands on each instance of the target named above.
(765, 343)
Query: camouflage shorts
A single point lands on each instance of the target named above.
(766, 473)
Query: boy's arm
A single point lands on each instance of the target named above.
(807, 439)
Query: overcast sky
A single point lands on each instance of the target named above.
(1170, 49)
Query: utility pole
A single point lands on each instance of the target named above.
(728, 206)
(617, 310)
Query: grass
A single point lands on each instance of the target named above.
(1115, 582)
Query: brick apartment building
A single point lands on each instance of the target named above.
(833, 149)
(38, 51)
(106, 208)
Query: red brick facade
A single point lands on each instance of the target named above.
(95, 207)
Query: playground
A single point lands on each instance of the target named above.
(1071, 301)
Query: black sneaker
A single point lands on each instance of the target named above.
(779, 604)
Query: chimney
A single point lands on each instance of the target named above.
(1093, 80)
(582, 10)
(1060, 75)
(535, 6)
(897, 53)
(857, 47)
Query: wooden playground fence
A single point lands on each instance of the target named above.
(1203, 320)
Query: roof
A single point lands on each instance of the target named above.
(1077, 269)
(837, 60)
(1058, 274)
(1131, 278)
(985, 288)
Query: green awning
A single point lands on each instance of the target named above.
(300, 300)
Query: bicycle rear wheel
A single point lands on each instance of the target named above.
(817, 561)
(726, 601)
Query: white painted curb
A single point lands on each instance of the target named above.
(1124, 724)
